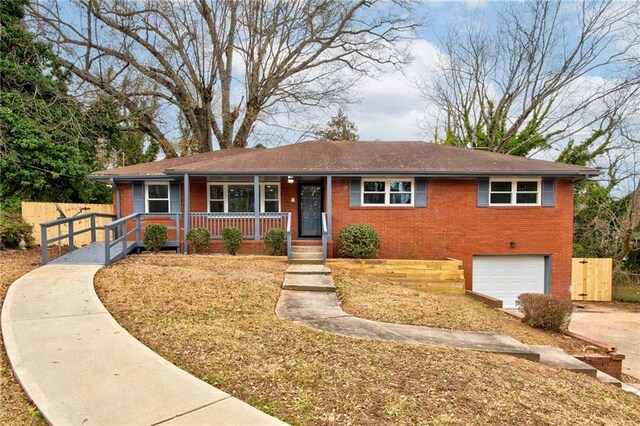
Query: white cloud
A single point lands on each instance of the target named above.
(390, 106)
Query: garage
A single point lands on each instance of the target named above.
(506, 277)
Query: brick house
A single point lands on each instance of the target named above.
(509, 219)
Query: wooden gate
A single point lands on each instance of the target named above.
(37, 213)
(591, 279)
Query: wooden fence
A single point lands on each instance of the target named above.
(591, 279)
(37, 213)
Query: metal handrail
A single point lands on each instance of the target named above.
(45, 241)
(325, 232)
(288, 231)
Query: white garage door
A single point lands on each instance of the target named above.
(506, 277)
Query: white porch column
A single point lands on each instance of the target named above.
(187, 211)
(329, 202)
(256, 207)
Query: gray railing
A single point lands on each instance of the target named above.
(288, 233)
(246, 222)
(124, 235)
(72, 231)
(325, 237)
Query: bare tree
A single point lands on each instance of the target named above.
(546, 72)
(224, 64)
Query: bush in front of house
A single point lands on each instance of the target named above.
(232, 239)
(13, 229)
(359, 241)
(199, 239)
(545, 311)
(274, 241)
(155, 236)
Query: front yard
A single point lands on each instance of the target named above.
(214, 317)
(372, 297)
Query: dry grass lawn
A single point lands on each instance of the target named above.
(214, 317)
(373, 297)
(15, 407)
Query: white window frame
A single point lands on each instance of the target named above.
(387, 191)
(147, 199)
(514, 192)
(225, 186)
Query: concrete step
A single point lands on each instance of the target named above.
(308, 269)
(556, 357)
(305, 249)
(295, 261)
(308, 282)
(607, 379)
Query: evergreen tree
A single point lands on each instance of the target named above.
(339, 128)
(45, 147)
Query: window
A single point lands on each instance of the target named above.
(239, 197)
(507, 192)
(157, 197)
(383, 192)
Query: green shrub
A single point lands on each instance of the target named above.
(199, 239)
(545, 311)
(358, 240)
(232, 239)
(274, 241)
(12, 229)
(155, 236)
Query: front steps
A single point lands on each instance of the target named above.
(306, 255)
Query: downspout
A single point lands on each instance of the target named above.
(113, 185)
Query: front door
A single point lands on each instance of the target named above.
(310, 210)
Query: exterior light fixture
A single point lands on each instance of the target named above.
(512, 244)
(290, 179)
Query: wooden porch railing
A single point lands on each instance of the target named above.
(246, 222)
(71, 233)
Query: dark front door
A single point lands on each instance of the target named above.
(310, 210)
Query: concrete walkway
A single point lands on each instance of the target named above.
(321, 310)
(80, 367)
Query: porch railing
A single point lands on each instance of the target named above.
(288, 235)
(246, 222)
(71, 231)
(124, 235)
(325, 237)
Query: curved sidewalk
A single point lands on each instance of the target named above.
(80, 367)
(321, 310)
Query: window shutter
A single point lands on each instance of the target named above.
(354, 192)
(483, 192)
(548, 192)
(176, 202)
(421, 192)
(138, 197)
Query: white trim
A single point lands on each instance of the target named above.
(514, 192)
(147, 199)
(387, 191)
(225, 193)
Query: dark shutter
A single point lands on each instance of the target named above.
(548, 192)
(421, 192)
(483, 192)
(354, 192)
(138, 197)
(176, 202)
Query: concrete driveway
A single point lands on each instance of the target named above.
(616, 325)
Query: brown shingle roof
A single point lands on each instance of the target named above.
(348, 157)
(157, 168)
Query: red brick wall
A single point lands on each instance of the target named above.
(450, 226)
(453, 226)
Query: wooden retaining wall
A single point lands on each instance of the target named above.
(433, 276)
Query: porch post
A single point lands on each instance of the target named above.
(329, 202)
(187, 212)
(256, 207)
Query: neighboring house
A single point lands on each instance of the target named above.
(509, 219)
